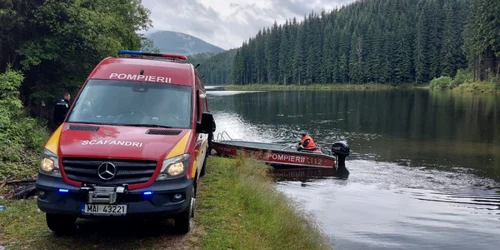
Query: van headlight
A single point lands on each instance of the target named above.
(174, 167)
(49, 164)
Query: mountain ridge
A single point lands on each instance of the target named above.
(181, 43)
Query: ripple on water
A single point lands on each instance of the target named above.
(388, 206)
(407, 204)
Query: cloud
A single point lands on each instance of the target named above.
(227, 23)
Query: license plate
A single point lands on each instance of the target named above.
(101, 209)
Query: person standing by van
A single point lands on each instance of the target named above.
(61, 109)
(211, 137)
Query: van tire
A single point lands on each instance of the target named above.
(60, 224)
(184, 221)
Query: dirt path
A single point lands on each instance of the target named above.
(23, 226)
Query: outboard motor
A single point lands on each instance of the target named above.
(341, 150)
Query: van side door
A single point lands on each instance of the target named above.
(202, 139)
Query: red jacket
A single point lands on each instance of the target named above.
(307, 142)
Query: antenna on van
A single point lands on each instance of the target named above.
(140, 88)
(196, 65)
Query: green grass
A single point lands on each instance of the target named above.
(241, 209)
(237, 208)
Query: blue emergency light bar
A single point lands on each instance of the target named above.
(141, 53)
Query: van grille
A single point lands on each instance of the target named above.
(127, 171)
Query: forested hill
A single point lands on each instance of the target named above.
(383, 41)
(215, 68)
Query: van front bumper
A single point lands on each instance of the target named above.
(57, 197)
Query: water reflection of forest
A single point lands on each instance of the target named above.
(411, 127)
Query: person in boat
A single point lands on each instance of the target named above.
(306, 143)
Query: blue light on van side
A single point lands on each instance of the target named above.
(147, 193)
(63, 190)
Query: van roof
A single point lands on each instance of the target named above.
(137, 69)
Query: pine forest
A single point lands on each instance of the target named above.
(369, 41)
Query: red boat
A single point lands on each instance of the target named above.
(283, 157)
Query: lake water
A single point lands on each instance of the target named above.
(425, 166)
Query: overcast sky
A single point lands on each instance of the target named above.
(227, 23)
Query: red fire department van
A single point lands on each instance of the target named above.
(133, 144)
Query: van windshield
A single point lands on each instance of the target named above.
(130, 103)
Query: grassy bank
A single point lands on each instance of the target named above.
(271, 87)
(463, 82)
(237, 208)
(246, 212)
(478, 87)
(449, 84)
(470, 87)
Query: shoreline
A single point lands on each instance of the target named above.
(476, 87)
(271, 87)
(237, 206)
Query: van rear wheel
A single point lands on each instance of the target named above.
(60, 224)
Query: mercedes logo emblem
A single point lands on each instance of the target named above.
(106, 171)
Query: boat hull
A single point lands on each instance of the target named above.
(276, 155)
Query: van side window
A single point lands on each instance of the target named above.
(203, 99)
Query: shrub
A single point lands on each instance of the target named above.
(460, 78)
(21, 137)
(442, 82)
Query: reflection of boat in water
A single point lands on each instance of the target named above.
(304, 174)
(285, 159)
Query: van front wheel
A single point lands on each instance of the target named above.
(60, 224)
(184, 221)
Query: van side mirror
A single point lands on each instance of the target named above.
(207, 124)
